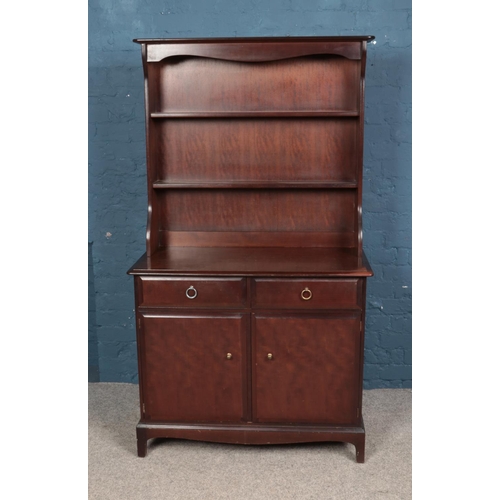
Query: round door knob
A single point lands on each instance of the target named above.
(306, 294)
(191, 292)
(269, 356)
(229, 355)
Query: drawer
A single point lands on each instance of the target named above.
(306, 293)
(153, 291)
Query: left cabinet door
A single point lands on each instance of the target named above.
(193, 367)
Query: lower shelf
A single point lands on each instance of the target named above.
(252, 434)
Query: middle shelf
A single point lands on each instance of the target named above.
(256, 114)
(255, 184)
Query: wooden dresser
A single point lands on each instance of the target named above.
(250, 298)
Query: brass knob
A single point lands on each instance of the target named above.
(191, 292)
(229, 355)
(269, 356)
(306, 294)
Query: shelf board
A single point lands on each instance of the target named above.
(254, 114)
(256, 185)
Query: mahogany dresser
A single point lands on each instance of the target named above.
(250, 298)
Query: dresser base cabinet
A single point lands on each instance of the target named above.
(250, 297)
(249, 370)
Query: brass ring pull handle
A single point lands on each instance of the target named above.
(191, 293)
(306, 294)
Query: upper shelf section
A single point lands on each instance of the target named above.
(316, 85)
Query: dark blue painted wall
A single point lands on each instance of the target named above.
(117, 171)
(93, 352)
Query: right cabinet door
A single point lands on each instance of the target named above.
(306, 368)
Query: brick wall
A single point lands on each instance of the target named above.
(117, 170)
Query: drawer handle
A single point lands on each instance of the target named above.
(229, 355)
(191, 293)
(306, 294)
(269, 356)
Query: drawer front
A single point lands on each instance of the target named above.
(191, 292)
(306, 293)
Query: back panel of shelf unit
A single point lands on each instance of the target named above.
(204, 149)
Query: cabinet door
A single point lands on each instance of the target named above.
(193, 367)
(306, 368)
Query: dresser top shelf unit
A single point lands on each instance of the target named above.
(254, 155)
